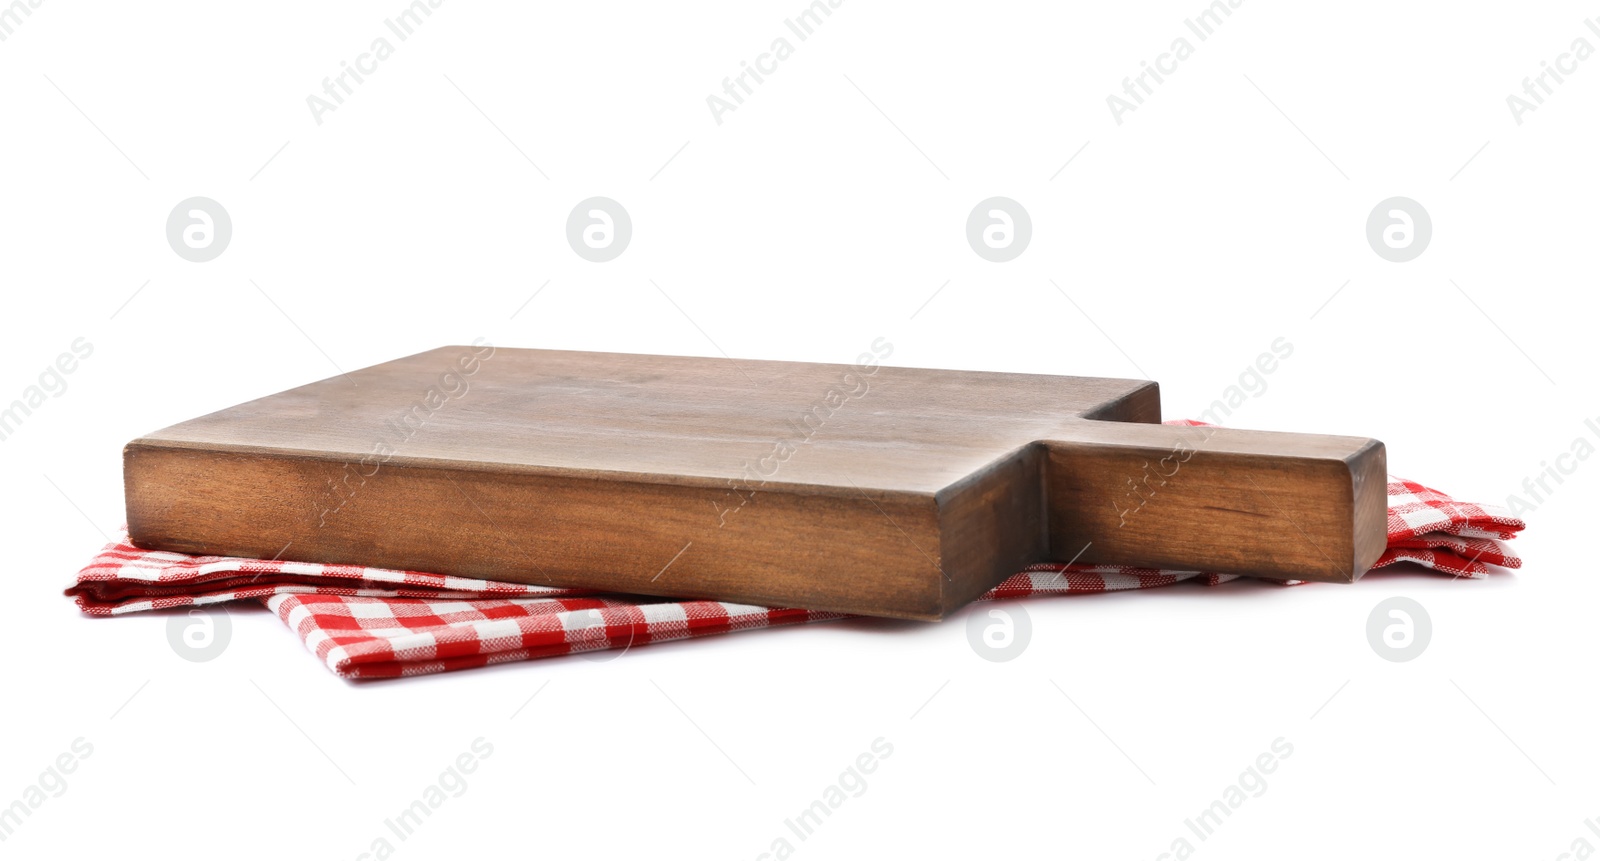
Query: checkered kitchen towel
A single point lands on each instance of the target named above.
(368, 623)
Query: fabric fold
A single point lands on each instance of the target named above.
(370, 623)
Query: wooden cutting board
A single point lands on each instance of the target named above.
(862, 488)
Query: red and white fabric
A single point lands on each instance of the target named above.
(368, 623)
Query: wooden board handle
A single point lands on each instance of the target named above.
(1275, 505)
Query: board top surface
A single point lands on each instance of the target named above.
(677, 418)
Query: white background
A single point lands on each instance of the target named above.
(1225, 212)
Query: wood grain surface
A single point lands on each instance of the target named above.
(863, 488)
